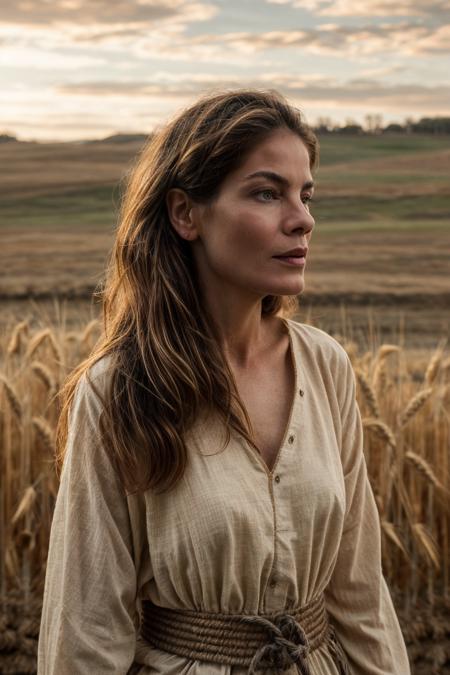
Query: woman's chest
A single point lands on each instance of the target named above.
(227, 503)
(267, 392)
(267, 395)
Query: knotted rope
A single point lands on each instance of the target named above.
(274, 642)
(288, 645)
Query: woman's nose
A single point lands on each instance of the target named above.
(300, 218)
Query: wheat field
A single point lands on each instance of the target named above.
(404, 400)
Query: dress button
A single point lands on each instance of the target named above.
(277, 478)
(291, 439)
(301, 392)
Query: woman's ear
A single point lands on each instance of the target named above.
(180, 211)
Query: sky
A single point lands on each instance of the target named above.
(82, 69)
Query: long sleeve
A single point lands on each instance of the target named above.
(89, 618)
(357, 597)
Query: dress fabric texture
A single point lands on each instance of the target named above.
(232, 537)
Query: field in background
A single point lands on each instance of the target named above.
(381, 242)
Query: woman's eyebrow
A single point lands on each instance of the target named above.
(276, 178)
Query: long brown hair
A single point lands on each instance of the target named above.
(165, 364)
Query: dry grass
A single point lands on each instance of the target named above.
(404, 404)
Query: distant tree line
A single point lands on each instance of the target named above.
(6, 138)
(374, 125)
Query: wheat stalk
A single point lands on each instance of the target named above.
(12, 397)
(385, 350)
(427, 545)
(381, 429)
(11, 562)
(369, 393)
(45, 375)
(38, 339)
(379, 379)
(26, 503)
(424, 468)
(15, 340)
(413, 406)
(45, 433)
(433, 367)
(389, 530)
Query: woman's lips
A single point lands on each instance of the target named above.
(298, 261)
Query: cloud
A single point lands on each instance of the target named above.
(406, 38)
(382, 71)
(157, 28)
(168, 87)
(367, 92)
(437, 42)
(172, 43)
(137, 28)
(430, 8)
(97, 13)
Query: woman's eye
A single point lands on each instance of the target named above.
(307, 199)
(266, 195)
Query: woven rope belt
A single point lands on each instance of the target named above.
(264, 641)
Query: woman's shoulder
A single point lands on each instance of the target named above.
(321, 347)
(95, 380)
(101, 370)
(316, 338)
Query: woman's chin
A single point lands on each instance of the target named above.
(289, 289)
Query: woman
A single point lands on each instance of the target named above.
(214, 514)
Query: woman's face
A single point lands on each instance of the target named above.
(261, 212)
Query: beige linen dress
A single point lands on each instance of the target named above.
(231, 537)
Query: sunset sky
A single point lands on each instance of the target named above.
(74, 69)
